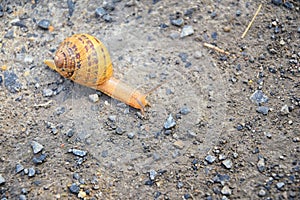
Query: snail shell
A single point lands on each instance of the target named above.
(83, 59)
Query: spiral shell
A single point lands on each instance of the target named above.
(83, 59)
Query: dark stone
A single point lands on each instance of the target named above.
(71, 6)
(183, 57)
(288, 5)
(40, 159)
(31, 172)
(74, 188)
(214, 35)
(1, 11)
(263, 110)
(9, 34)
(2, 180)
(221, 178)
(107, 18)
(239, 127)
(259, 97)
(44, 24)
(238, 13)
(149, 182)
(19, 168)
(155, 1)
(277, 2)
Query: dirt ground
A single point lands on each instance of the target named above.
(237, 115)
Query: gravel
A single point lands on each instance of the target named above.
(2, 180)
(227, 163)
(259, 97)
(187, 30)
(170, 123)
(36, 147)
(44, 24)
(210, 159)
(78, 152)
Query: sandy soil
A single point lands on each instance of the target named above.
(227, 146)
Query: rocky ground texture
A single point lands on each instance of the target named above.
(223, 123)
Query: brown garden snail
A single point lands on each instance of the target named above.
(83, 59)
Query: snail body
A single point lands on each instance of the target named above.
(83, 59)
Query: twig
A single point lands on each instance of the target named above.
(216, 48)
(250, 24)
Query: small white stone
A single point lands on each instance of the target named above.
(94, 98)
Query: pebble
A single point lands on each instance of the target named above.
(152, 174)
(263, 110)
(187, 196)
(47, 92)
(81, 195)
(227, 163)
(131, 135)
(78, 152)
(277, 2)
(71, 6)
(177, 22)
(280, 185)
(261, 164)
(238, 13)
(19, 168)
(2, 179)
(184, 110)
(268, 135)
(1, 11)
(221, 178)
(226, 190)
(36, 147)
(94, 98)
(31, 172)
(170, 123)
(183, 56)
(262, 193)
(11, 82)
(76, 176)
(214, 35)
(100, 12)
(186, 31)
(22, 197)
(119, 131)
(112, 118)
(179, 144)
(259, 97)
(107, 18)
(40, 159)
(60, 110)
(179, 184)
(288, 5)
(70, 133)
(44, 24)
(9, 34)
(74, 188)
(284, 110)
(210, 159)
(227, 29)
(222, 157)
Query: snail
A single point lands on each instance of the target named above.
(83, 59)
